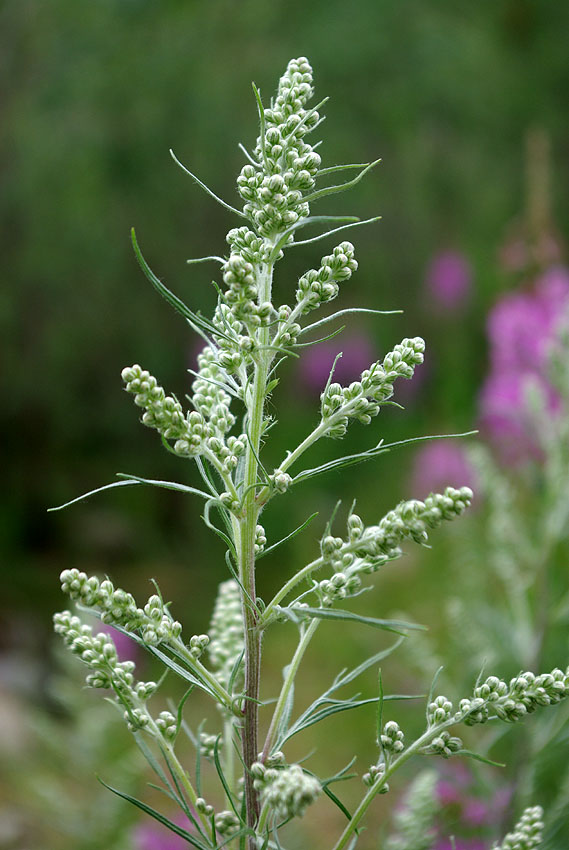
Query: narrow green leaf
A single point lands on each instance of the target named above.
(221, 775)
(205, 260)
(240, 213)
(336, 801)
(345, 678)
(332, 231)
(195, 319)
(234, 672)
(185, 807)
(181, 708)
(339, 614)
(341, 187)
(346, 312)
(92, 493)
(340, 463)
(478, 757)
(248, 155)
(151, 759)
(312, 219)
(331, 335)
(181, 671)
(332, 168)
(430, 437)
(167, 485)
(178, 830)
(432, 691)
(379, 706)
(288, 537)
(261, 111)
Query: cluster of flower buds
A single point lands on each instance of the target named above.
(366, 549)
(226, 630)
(374, 773)
(207, 744)
(286, 166)
(288, 790)
(225, 822)
(167, 724)
(209, 398)
(362, 399)
(99, 653)
(527, 834)
(287, 329)
(116, 607)
(512, 702)
(392, 739)
(165, 413)
(444, 745)
(260, 539)
(280, 481)
(439, 710)
(317, 286)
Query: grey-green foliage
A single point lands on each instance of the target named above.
(247, 339)
(413, 822)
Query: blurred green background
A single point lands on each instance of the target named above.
(92, 96)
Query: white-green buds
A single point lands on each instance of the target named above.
(167, 724)
(207, 744)
(226, 630)
(225, 822)
(527, 833)
(363, 399)
(375, 773)
(275, 186)
(99, 653)
(204, 808)
(315, 287)
(392, 738)
(444, 745)
(366, 549)
(165, 413)
(512, 702)
(260, 539)
(439, 710)
(154, 623)
(280, 481)
(287, 790)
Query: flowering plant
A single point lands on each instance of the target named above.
(246, 341)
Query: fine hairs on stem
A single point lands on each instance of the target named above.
(224, 432)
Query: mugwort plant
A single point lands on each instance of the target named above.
(224, 433)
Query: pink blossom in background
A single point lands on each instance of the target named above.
(153, 836)
(439, 464)
(521, 327)
(127, 649)
(448, 281)
(461, 844)
(358, 353)
(476, 812)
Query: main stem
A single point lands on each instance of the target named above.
(246, 549)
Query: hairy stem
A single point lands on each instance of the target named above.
(245, 546)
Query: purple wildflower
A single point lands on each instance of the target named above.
(520, 329)
(149, 836)
(440, 463)
(127, 649)
(448, 281)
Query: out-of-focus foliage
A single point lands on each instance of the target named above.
(92, 95)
